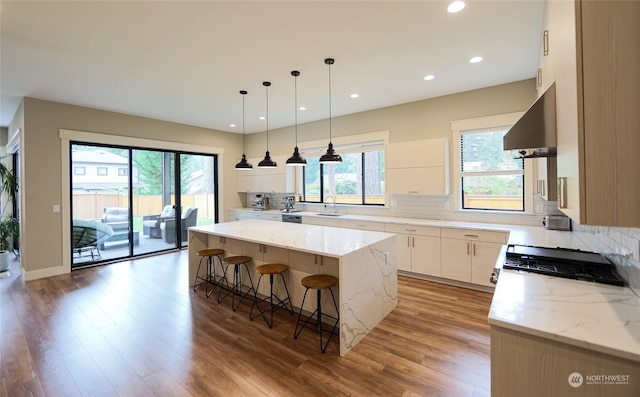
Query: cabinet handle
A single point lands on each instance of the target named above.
(413, 242)
(539, 78)
(471, 235)
(545, 42)
(474, 249)
(542, 187)
(562, 192)
(413, 191)
(264, 249)
(315, 259)
(409, 241)
(409, 230)
(468, 248)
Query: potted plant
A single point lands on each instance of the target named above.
(9, 225)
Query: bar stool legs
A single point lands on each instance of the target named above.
(271, 270)
(237, 286)
(211, 277)
(318, 282)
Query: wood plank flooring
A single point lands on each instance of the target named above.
(135, 329)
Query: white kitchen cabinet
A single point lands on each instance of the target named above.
(264, 180)
(361, 225)
(469, 255)
(546, 182)
(418, 167)
(418, 248)
(332, 221)
(593, 56)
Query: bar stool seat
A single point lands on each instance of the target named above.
(211, 277)
(236, 287)
(318, 282)
(271, 269)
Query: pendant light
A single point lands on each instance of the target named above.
(296, 160)
(243, 165)
(330, 157)
(267, 162)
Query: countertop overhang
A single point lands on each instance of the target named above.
(321, 240)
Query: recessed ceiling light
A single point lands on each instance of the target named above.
(475, 60)
(262, 118)
(456, 6)
(354, 95)
(232, 125)
(429, 77)
(302, 108)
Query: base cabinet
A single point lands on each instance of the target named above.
(418, 248)
(470, 255)
(524, 365)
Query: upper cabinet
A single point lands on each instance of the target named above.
(593, 57)
(419, 167)
(266, 180)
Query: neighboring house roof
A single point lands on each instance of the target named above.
(97, 156)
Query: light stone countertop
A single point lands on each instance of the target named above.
(312, 239)
(593, 316)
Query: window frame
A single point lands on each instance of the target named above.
(458, 127)
(105, 169)
(356, 143)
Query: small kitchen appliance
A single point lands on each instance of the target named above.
(260, 203)
(557, 222)
(289, 202)
(562, 262)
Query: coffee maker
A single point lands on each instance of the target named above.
(260, 203)
(289, 202)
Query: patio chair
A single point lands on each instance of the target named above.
(87, 235)
(151, 223)
(117, 218)
(168, 228)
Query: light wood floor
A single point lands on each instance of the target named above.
(135, 329)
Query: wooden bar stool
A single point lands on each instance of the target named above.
(271, 269)
(236, 288)
(211, 277)
(318, 282)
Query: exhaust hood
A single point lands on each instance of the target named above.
(534, 135)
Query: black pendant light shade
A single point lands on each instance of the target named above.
(243, 164)
(296, 160)
(267, 162)
(330, 157)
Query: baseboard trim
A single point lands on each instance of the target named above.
(42, 273)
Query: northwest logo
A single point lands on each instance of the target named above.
(575, 379)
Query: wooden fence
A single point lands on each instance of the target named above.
(90, 205)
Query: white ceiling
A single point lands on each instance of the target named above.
(185, 61)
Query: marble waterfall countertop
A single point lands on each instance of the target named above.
(312, 239)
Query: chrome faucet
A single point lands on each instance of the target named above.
(333, 202)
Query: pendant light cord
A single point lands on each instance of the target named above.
(243, 94)
(295, 100)
(267, 115)
(330, 99)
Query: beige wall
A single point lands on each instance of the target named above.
(41, 182)
(40, 122)
(412, 121)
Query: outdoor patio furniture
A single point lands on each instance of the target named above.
(87, 235)
(118, 219)
(168, 228)
(151, 223)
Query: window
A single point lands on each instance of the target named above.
(490, 178)
(79, 170)
(359, 179)
(102, 170)
(123, 172)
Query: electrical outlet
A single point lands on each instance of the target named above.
(56, 208)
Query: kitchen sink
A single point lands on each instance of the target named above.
(325, 214)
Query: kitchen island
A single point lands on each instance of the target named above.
(363, 261)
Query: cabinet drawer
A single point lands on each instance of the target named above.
(362, 225)
(413, 229)
(475, 235)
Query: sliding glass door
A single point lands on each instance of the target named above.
(133, 201)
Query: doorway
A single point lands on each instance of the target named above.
(128, 202)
